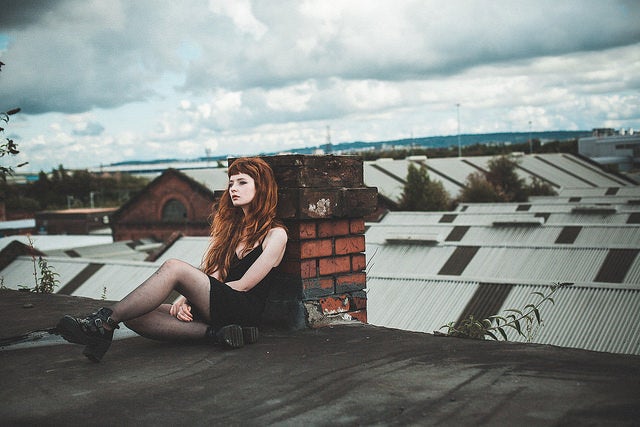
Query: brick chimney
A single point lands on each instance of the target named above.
(323, 202)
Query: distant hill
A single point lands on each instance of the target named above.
(452, 140)
(427, 142)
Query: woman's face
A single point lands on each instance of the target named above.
(242, 189)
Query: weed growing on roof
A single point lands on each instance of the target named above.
(495, 326)
(48, 278)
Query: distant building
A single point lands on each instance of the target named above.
(73, 221)
(609, 147)
(173, 202)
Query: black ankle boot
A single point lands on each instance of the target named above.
(89, 331)
(233, 336)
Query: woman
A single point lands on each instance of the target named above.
(222, 301)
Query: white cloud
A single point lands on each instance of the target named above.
(150, 79)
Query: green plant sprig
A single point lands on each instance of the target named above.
(497, 324)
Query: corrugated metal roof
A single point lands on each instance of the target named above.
(113, 280)
(594, 319)
(621, 191)
(504, 264)
(527, 265)
(188, 249)
(589, 235)
(46, 243)
(20, 271)
(588, 200)
(406, 261)
(416, 304)
(387, 186)
(126, 250)
(589, 318)
(569, 171)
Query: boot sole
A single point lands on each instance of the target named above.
(231, 336)
(250, 334)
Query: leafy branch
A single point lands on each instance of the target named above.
(7, 146)
(496, 326)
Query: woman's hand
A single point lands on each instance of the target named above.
(181, 309)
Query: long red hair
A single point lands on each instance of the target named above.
(230, 227)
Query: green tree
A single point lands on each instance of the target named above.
(503, 177)
(539, 187)
(478, 190)
(421, 193)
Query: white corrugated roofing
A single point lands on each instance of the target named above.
(416, 304)
(112, 280)
(188, 249)
(485, 215)
(591, 236)
(388, 187)
(125, 250)
(46, 243)
(589, 318)
(622, 191)
(20, 272)
(505, 264)
(586, 200)
(597, 319)
(537, 206)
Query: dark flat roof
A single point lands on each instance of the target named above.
(346, 374)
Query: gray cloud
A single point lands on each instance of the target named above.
(78, 58)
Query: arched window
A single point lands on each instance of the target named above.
(174, 211)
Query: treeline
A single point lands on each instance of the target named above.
(479, 149)
(63, 189)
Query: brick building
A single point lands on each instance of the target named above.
(173, 202)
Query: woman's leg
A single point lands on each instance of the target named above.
(159, 324)
(172, 275)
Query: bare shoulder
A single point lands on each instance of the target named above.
(276, 235)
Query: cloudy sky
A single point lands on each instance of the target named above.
(105, 81)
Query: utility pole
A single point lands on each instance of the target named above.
(328, 148)
(459, 145)
(530, 141)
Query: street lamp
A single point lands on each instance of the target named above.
(530, 142)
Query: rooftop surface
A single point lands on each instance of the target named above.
(346, 374)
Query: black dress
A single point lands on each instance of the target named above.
(228, 306)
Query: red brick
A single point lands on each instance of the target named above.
(316, 248)
(322, 283)
(333, 228)
(309, 268)
(334, 305)
(350, 245)
(303, 230)
(356, 226)
(357, 303)
(351, 282)
(358, 262)
(333, 265)
(360, 315)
